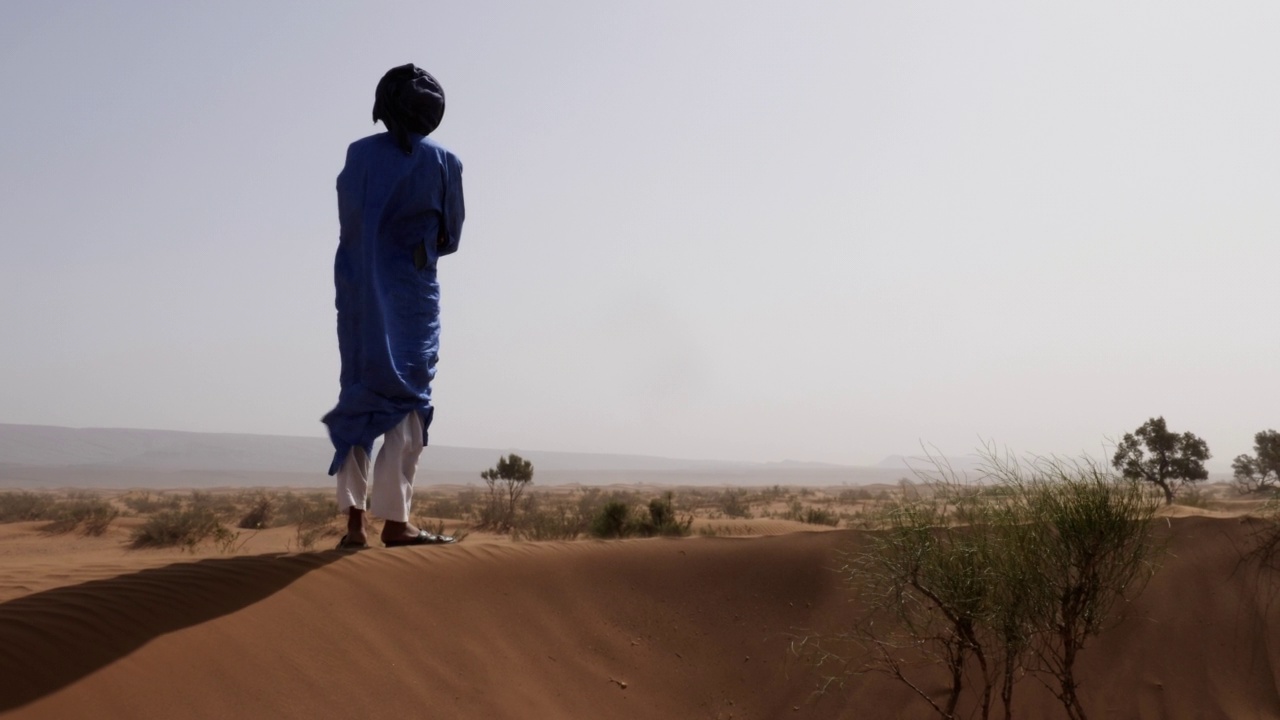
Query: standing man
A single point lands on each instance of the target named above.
(400, 209)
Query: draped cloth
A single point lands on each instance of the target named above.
(399, 213)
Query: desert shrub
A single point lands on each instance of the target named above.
(27, 506)
(715, 530)
(850, 497)
(662, 520)
(690, 500)
(314, 516)
(298, 508)
(1193, 496)
(908, 489)
(444, 508)
(616, 518)
(613, 520)
(185, 528)
(1263, 549)
(555, 521)
(145, 503)
(261, 512)
(589, 501)
(820, 516)
(862, 519)
(733, 503)
(86, 512)
(1084, 545)
(991, 588)
(467, 501)
(812, 515)
(90, 514)
(221, 505)
(506, 483)
(771, 494)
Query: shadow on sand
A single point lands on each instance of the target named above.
(51, 639)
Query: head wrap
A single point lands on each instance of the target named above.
(408, 100)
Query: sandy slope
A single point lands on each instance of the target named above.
(694, 628)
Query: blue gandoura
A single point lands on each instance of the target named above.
(400, 208)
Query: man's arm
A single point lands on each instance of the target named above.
(454, 207)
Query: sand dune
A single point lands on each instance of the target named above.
(690, 628)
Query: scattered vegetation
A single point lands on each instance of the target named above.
(313, 515)
(185, 528)
(549, 520)
(618, 519)
(27, 506)
(90, 514)
(733, 503)
(144, 503)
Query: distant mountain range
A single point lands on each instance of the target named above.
(39, 455)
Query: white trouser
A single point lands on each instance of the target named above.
(392, 473)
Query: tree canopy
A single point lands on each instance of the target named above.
(1261, 471)
(1154, 454)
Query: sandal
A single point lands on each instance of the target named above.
(345, 544)
(423, 538)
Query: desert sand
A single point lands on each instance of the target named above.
(696, 627)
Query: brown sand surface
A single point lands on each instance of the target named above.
(664, 628)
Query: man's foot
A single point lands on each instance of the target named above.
(357, 530)
(423, 538)
(398, 534)
(347, 543)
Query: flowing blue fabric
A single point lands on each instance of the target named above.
(399, 213)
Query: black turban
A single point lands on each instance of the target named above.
(408, 100)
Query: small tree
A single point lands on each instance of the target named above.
(1261, 471)
(989, 586)
(936, 584)
(506, 482)
(1154, 454)
(1088, 535)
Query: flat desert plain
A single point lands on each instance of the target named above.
(268, 622)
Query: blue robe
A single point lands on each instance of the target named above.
(398, 213)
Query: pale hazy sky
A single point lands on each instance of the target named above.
(822, 231)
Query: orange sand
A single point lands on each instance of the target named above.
(665, 628)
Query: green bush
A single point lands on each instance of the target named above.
(27, 506)
(314, 518)
(662, 520)
(184, 528)
(821, 516)
(613, 521)
(90, 514)
(445, 508)
(733, 503)
(616, 519)
(145, 503)
(996, 586)
(297, 509)
(560, 521)
(262, 510)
